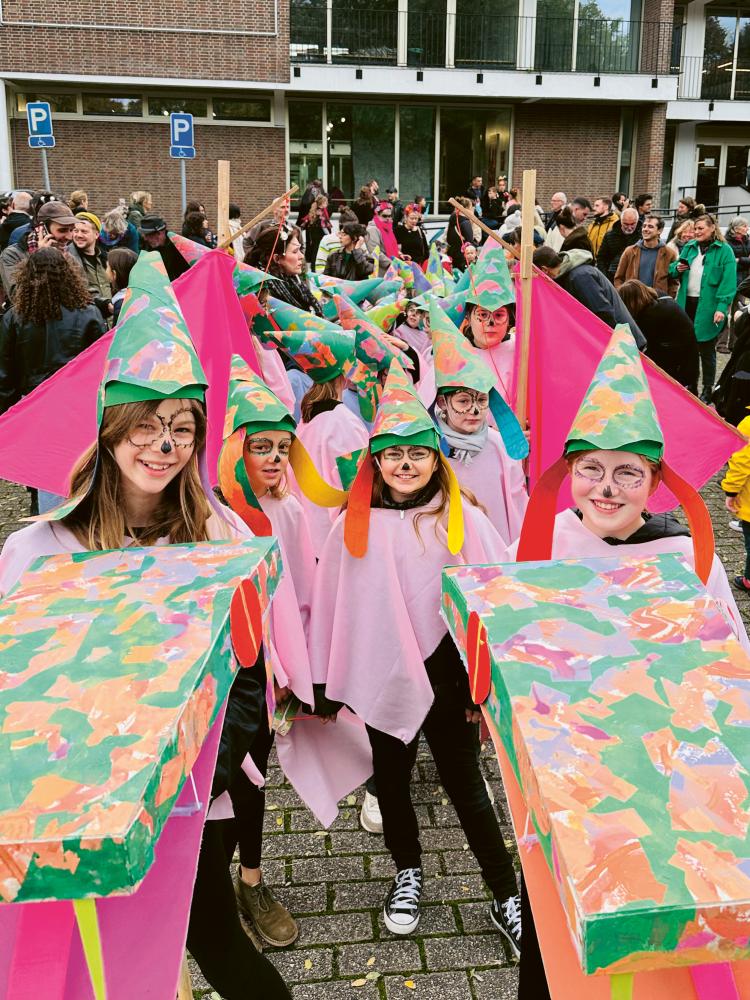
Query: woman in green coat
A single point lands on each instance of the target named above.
(708, 282)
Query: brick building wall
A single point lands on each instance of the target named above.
(649, 150)
(573, 148)
(260, 56)
(656, 36)
(111, 159)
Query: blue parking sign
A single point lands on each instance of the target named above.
(182, 144)
(39, 118)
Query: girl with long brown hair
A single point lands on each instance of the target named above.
(378, 642)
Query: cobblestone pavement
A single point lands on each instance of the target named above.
(335, 881)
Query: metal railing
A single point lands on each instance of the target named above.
(713, 78)
(502, 42)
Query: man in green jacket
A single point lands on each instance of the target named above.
(708, 281)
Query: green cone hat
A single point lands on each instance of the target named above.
(151, 355)
(491, 285)
(617, 412)
(252, 405)
(401, 417)
(320, 348)
(458, 366)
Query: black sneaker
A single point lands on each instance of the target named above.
(401, 909)
(506, 916)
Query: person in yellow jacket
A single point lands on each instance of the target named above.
(736, 485)
(604, 218)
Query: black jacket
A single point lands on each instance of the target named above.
(613, 246)
(594, 291)
(29, 353)
(174, 262)
(9, 223)
(459, 231)
(670, 337)
(353, 266)
(412, 242)
(732, 394)
(741, 248)
(295, 290)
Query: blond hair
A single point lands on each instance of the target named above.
(100, 522)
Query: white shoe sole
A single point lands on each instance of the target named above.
(401, 929)
(513, 946)
(367, 824)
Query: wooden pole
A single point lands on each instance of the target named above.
(185, 985)
(222, 214)
(223, 244)
(485, 229)
(528, 206)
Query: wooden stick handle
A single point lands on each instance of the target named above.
(527, 253)
(261, 215)
(485, 229)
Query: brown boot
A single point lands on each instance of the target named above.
(271, 920)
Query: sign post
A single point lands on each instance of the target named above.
(41, 137)
(181, 146)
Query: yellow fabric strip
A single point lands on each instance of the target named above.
(88, 928)
(455, 511)
(310, 481)
(622, 986)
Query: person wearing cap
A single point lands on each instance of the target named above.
(614, 456)
(52, 227)
(88, 253)
(378, 642)
(485, 460)
(144, 481)
(154, 236)
(260, 445)
(490, 316)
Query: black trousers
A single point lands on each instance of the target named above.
(453, 742)
(249, 801)
(216, 939)
(532, 980)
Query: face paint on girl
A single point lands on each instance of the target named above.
(611, 489)
(156, 450)
(465, 411)
(488, 328)
(266, 459)
(406, 471)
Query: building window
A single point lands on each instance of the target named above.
(416, 166)
(242, 109)
(307, 31)
(588, 36)
(726, 62)
(162, 105)
(126, 106)
(360, 141)
(65, 104)
(364, 32)
(425, 37)
(473, 142)
(305, 143)
(486, 33)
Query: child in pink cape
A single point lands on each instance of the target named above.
(144, 482)
(379, 643)
(324, 763)
(486, 461)
(613, 455)
(490, 318)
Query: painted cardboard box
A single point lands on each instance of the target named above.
(113, 667)
(622, 700)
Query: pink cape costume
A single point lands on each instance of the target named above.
(500, 360)
(274, 373)
(573, 540)
(498, 483)
(422, 344)
(375, 620)
(329, 435)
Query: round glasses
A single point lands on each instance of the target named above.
(178, 429)
(626, 477)
(465, 402)
(415, 454)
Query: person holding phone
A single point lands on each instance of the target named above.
(352, 261)
(53, 230)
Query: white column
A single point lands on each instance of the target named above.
(402, 38)
(683, 165)
(6, 165)
(526, 42)
(324, 130)
(329, 31)
(436, 179)
(450, 34)
(691, 68)
(397, 148)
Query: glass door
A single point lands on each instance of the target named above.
(737, 166)
(707, 187)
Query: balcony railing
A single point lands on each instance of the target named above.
(561, 44)
(713, 78)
